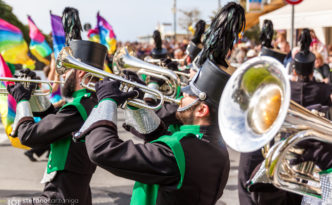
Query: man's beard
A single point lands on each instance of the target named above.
(187, 116)
(69, 87)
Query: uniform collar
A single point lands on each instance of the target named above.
(194, 129)
(80, 93)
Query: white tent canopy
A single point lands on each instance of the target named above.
(315, 14)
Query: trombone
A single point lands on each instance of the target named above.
(66, 61)
(26, 82)
(254, 108)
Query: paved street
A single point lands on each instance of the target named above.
(19, 178)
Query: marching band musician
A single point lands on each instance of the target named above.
(249, 161)
(305, 90)
(191, 165)
(69, 169)
(309, 93)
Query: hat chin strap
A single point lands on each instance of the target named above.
(182, 109)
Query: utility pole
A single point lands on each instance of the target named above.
(219, 4)
(174, 18)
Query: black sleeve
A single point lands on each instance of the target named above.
(50, 110)
(167, 113)
(150, 163)
(50, 128)
(326, 71)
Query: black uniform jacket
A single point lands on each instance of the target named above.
(73, 182)
(310, 93)
(206, 172)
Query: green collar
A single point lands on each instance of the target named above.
(80, 93)
(195, 129)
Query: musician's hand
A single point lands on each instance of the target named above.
(107, 88)
(316, 151)
(27, 73)
(132, 76)
(19, 92)
(199, 31)
(172, 65)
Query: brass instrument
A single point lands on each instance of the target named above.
(26, 82)
(149, 59)
(124, 61)
(184, 77)
(66, 61)
(255, 106)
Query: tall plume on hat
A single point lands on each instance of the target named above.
(157, 40)
(304, 60)
(199, 31)
(305, 41)
(266, 34)
(224, 29)
(71, 24)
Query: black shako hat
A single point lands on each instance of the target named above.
(266, 38)
(158, 52)
(210, 80)
(89, 52)
(208, 83)
(304, 60)
(273, 53)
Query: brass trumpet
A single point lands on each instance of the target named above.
(184, 77)
(255, 107)
(124, 61)
(25, 82)
(66, 61)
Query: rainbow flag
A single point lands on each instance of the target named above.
(58, 34)
(38, 45)
(8, 106)
(106, 33)
(93, 35)
(13, 48)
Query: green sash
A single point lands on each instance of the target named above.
(146, 194)
(59, 149)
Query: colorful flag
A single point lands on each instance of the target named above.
(58, 34)
(106, 33)
(8, 105)
(13, 48)
(93, 35)
(38, 45)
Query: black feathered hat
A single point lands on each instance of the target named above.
(304, 60)
(71, 24)
(158, 52)
(193, 48)
(89, 52)
(266, 39)
(210, 80)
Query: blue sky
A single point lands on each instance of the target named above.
(129, 18)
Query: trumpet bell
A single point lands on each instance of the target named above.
(254, 104)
